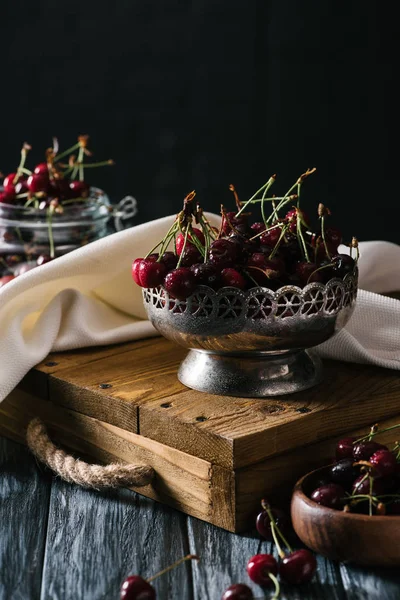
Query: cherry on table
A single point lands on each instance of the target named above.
(298, 567)
(180, 283)
(384, 463)
(330, 495)
(344, 448)
(263, 523)
(136, 588)
(259, 567)
(364, 450)
(238, 591)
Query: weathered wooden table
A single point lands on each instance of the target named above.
(60, 542)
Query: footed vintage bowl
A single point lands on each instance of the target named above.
(253, 343)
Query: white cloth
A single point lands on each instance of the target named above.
(88, 298)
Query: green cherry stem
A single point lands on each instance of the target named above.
(300, 235)
(103, 163)
(183, 248)
(371, 435)
(265, 506)
(81, 156)
(50, 230)
(66, 152)
(277, 589)
(175, 564)
(278, 243)
(277, 543)
(266, 185)
(21, 167)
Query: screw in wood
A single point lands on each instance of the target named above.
(166, 405)
(303, 409)
(201, 419)
(51, 363)
(105, 386)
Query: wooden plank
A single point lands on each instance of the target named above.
(371, 583)
(184, 482)
(24, 502)
(95, 540)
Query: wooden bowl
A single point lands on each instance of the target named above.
(341, 536)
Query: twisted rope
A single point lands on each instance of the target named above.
(77, 471)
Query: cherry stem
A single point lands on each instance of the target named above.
(184, 247)
(369, 436)
(103, 163)
(175, 564)
(81, 156)
(371, 483)
(268, 229)
(68, 151)
(323, 236)
(267, 508)
(50, 230)
(269, 183)
(277, 544)
(24, 151)
(278, 243)
(300, 236)
(319, 269)
(277, 589)
(263, 206)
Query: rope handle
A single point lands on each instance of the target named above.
(77, 471)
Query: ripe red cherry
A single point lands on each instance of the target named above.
(259, 567)
(238, 591)
(258, 228)
(330, 495)
(135, 270)
(364, 450)
(384, 463)
(37, 183)
(136, 588)
(170, 260)
(180, 283)
(222, 253)
(263, 523)
(43, 259)
(238, 223)
(180, 240)
(79, 189)
(151, 273)
(190, 256)
(362, 486)
(270, 237)
(344, 448)
(298, 567)
(333, 237)
(206, 274)
(306, 271)
(41, 169)
(8, 182)
(7, 197)
(232, 278)
(291, 217)
(21, 187)
(6, 279)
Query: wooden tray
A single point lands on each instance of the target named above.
(215, 457)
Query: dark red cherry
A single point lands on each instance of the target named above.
(206, 274)
(239, 224)
(342, 264)
(232, 278)
(263, 523)
(331, 495)
(136, 588)
(258, 228)
(298, 567)
(384, 463)
(222, 253)
(6, 279)
(238, 591)
(21, 187)
(170, 260)
(306, 271)
(41, 169)
(37, 183)
(344, 448)
(333, 237)
(363, 450)
(180, 240)
(259, 567)
(180, 283)
(8, 182)
(344, 472)
(43, 259)
(291, 218)
(135, 270)
(190, 256)
(362, 486)
(78, 189)
(243, 247)
(151, 273)
(7, 197)
(270, 237)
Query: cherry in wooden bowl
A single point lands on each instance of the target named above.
(343, 536)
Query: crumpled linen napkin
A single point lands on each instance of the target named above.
(88, 298)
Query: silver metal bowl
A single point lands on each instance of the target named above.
(253, 343)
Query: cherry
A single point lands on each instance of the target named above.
(330, 495)
(384, 463)
(259, 567)
(333, 237)
(136, 588)
(222, 253)
(8, 182)
(151, 273)
(135, 270)
(244, 247)
(306, 271)
(271, 237)
(180, 283)
(263, 523)
(21, 187)
(344, 448)
(180, 240)
(6, 278)
(298, 567)
(190, 256)
(344, 472)
(43, 259)
(206, 274)
(78, 189)
(41, 169)
(258, 228)
(37, 183)
(291, 218)
(239, 223)
(238, 591)
(342, 265)
(362, 486)
(170, 260)
(232, 278)
(364, 450)
(7, 197)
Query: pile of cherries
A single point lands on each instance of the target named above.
(294, 567)
(278, 250)
(365, 477)
(49, 188)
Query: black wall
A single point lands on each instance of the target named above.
(200, 94)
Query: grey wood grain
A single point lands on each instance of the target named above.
(371, 584)
(24, 502)
(96, 539)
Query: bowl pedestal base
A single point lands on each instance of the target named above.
(250, 375)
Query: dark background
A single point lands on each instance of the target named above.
(205, 93)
